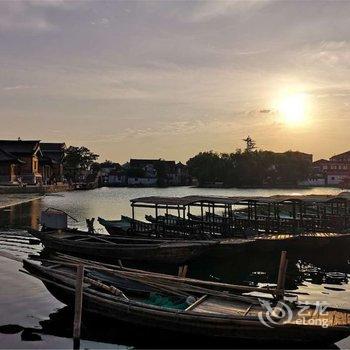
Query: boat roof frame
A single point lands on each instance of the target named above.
(222, 201)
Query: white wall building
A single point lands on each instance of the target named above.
(142, 181)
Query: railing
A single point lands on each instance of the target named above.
(229, 227)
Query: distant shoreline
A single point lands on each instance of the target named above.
(286, 187)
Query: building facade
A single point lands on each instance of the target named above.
(157, 172)
(19, 161)
(332, 172)
(51, 162)
(31, 162)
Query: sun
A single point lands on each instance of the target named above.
(293, 109)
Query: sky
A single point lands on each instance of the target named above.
(168, 79)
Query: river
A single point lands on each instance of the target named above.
(31, 318)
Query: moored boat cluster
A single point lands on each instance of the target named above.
(183, 305)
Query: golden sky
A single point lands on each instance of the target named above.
(172, 78)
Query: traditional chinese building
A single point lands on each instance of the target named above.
(51, 162)
(19, 161)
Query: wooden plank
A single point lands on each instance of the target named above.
(213, 305)
(248, 309)
(78, 305)
(197, 302)
(109, 267)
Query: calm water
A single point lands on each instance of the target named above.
(31, 318)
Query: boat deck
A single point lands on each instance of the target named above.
(310, 316)
(218, 306)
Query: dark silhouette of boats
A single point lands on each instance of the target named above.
(120, 248)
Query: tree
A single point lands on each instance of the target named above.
(106, 164)
(250, 168)
(251, 144)
(77, 160)
(206, 167)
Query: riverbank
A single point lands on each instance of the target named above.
(9, 200)
(34, 189)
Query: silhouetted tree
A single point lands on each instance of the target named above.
(251, 144)
(78, 159)
(251, 168)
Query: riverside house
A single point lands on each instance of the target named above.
(51, 162)
(19, 161)
(332, 172)
(31, 162)
(157, 172)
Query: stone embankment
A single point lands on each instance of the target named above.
(34, 189)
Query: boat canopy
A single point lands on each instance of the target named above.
(237, 200)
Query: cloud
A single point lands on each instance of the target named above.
(208, 10)
(20, 87)
(32, 15)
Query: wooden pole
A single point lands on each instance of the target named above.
(182, 271)
(78, 306)
(282, 274)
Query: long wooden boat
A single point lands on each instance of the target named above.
(312, 240)
(115, 248)
(232, 216)
(124, 226)
(186, 306)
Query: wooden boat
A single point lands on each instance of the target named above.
(115, 248)
(309, 241)
(125, 225)
(182, 229)
(166, 219)
(234, 216)
(186, 306)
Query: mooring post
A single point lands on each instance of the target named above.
(182, 271)
(282, 274)
(78, 306)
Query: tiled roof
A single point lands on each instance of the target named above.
(52, 147)
(52, 152)
(341, 155)
(8, 157)
(19, 147)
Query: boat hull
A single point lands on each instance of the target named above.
(196, 325)
(172, 253)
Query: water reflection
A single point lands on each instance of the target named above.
(21, 216)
